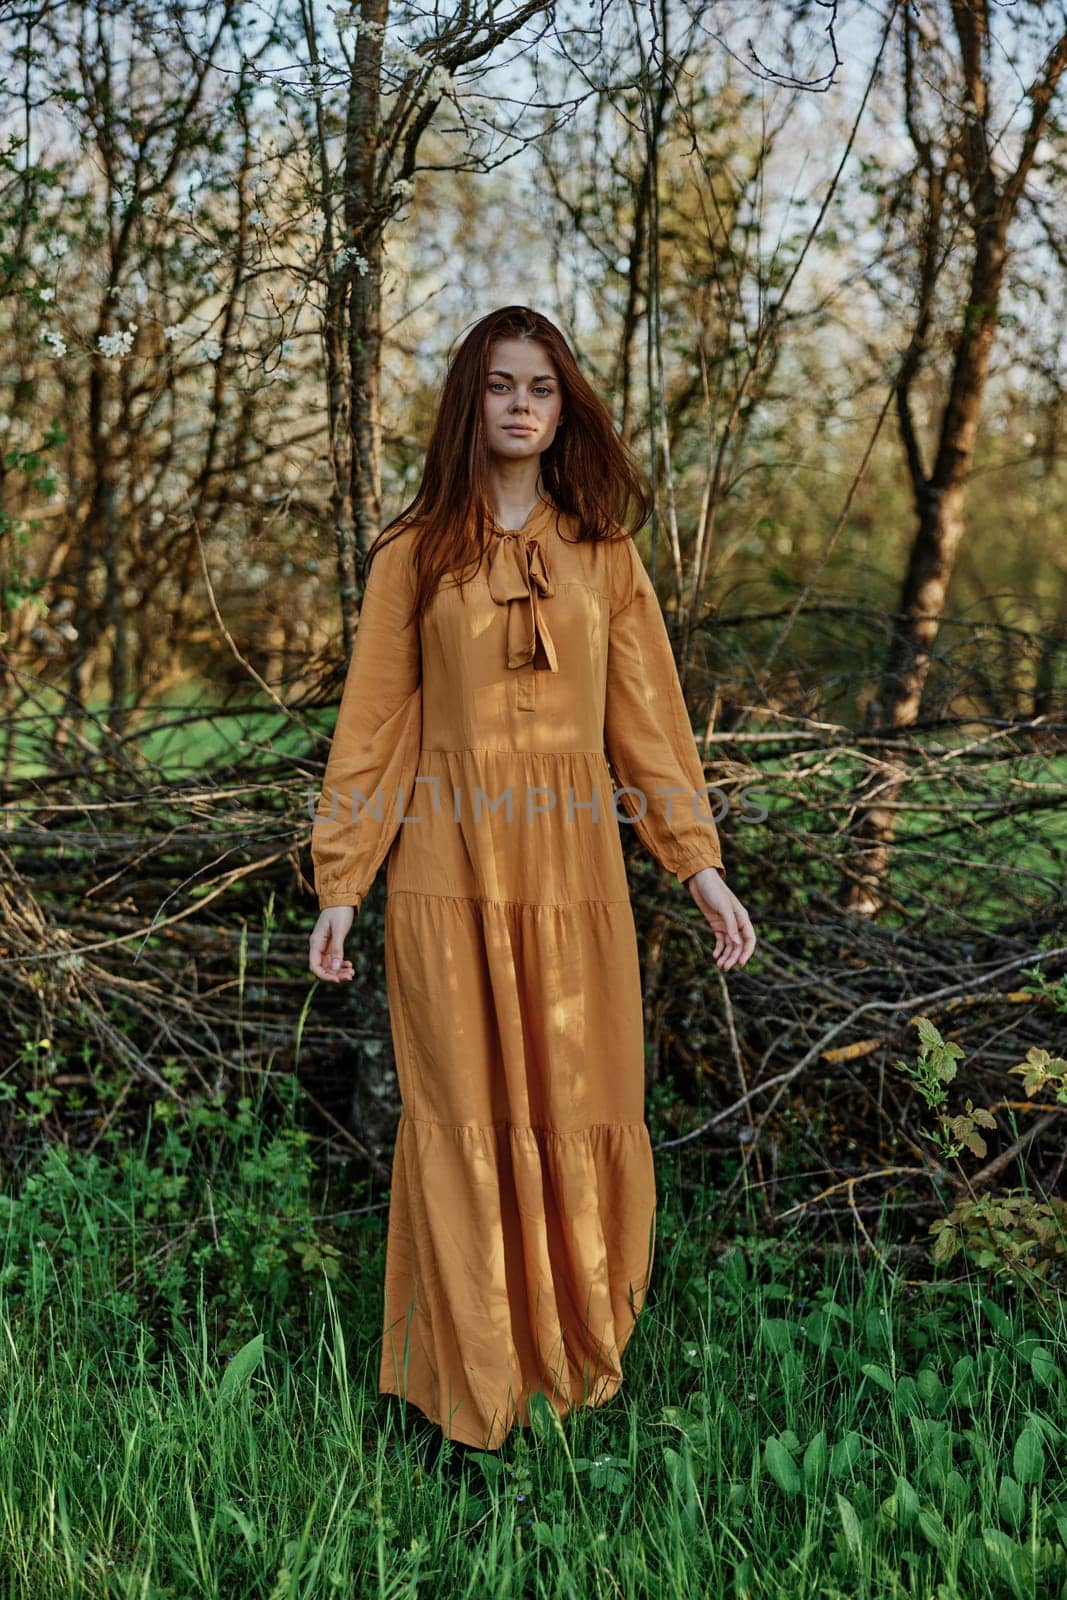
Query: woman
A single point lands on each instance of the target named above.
(509, 635)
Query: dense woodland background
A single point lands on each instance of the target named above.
(813, 253)
(815, 258)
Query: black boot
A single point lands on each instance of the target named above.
(435, 1451)
(426, 1442)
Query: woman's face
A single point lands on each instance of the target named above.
(523, 399)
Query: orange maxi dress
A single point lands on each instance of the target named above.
(476, 747)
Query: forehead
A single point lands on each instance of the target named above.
(521, 358)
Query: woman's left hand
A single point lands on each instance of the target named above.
(725, 916)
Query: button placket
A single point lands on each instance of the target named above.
(519, 578)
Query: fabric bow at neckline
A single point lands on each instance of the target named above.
(519, 578)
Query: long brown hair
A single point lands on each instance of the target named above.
(586, 470)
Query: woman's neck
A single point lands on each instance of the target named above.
(514, 491)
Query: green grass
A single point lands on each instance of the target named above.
(985, 847)
(191, 1410)
(185, 734)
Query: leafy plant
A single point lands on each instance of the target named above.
(1010, 1233)
(931, 1074)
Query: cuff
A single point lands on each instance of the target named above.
(694, 861)
(338, 895)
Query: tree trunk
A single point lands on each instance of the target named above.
(363, 222)
(940, 497)
(941, 528)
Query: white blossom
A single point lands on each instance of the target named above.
(396, 54)
(117, 344)
(173, 330)
(47, 294)
(403, 188)
(353, 20)
(210, 349)
(256, 217)
(58, 246)
(53, 337)
(347, 254)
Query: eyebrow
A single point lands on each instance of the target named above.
(542, 377)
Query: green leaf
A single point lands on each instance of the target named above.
(781, 1466)
(1005, 1552)
(1044, 1367)
(877, 1328)
(907, 1396)
(997, 1319)
(932, 1527)
(845, 1454)
(957, 1486)
(242, 1366)
(777, 1334)
(931, 1388)
(814, 1464)
(878, 1375)
(1011, 1500)
(745, 1579)
(243, 1523)
(928, 1033)
(902, 1506)
(851, 1524)
(948, 1242)
(692, 1427)
(553, 1535)
(907, 1498)
(963, 1384)
(1028, 1457)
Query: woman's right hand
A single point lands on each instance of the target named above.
(326, 957)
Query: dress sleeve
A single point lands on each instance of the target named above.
(377, 738)
(647, 731)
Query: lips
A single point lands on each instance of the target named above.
(517, 428)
